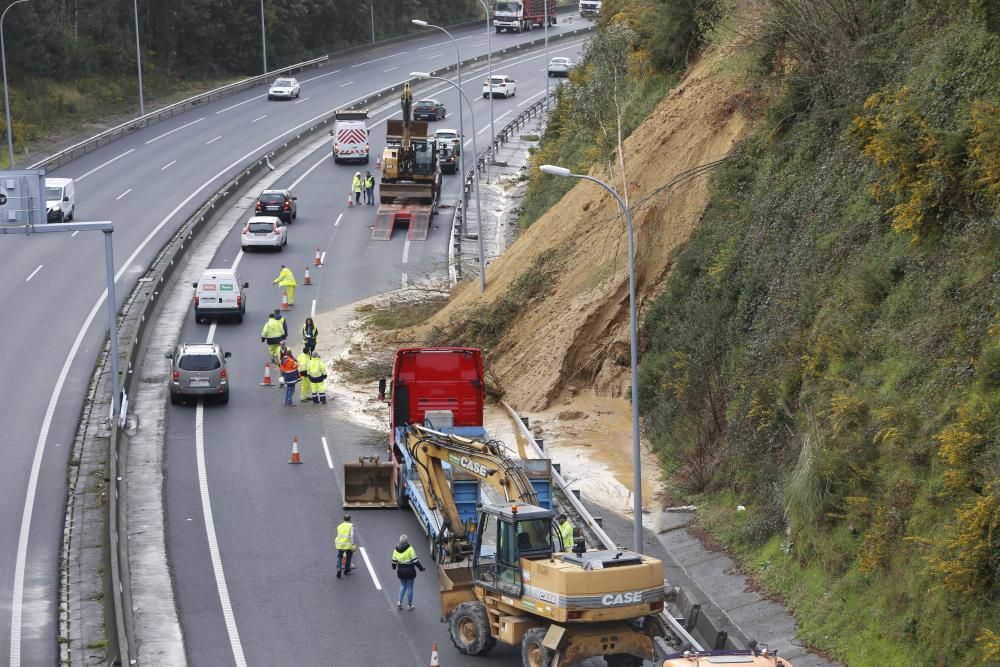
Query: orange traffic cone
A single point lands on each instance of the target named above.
(378, 163)
(434, 655)
(306, 280)
(295, 451)
(267, 375)
(350, 200)
(319, 259)
(284, 301)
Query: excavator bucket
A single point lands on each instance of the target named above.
(368, 483)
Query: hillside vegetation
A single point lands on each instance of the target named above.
(826, 350)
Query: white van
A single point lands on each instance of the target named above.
(60, 199)
(350, 137)
(219, 293)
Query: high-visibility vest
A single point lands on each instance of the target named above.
(408, 555)
(303, 362)
(343, 541)
(356, 185)
(286, 278)
(566, 531)
(273, 329)
(370, 183)
(314, 334)
(316, 368)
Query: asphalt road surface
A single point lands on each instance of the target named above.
(53, 285)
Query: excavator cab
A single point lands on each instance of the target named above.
(507, 533)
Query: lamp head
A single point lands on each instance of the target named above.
(555, 170)
(420, 75)
(422, 24)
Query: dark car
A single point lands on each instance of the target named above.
(429, 110)
(279, 203)
(448, 159)
(198, 370)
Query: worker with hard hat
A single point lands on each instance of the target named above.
(317, 378)
(305, 387)
(565, 532)
(356, 187)
(345, 542)
(287, 280)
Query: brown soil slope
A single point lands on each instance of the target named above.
(578, 336)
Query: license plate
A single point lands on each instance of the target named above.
(199, 383)
(272, 208)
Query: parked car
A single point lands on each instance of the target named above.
(60, 199)
(429, 110)
(219, 293)
(264, 231)
(285, 88)
(560, 66)
(198, 370)
(280, 203)
(499, 84)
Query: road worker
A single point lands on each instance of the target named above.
(305, 391)
(356, 187)
(406, 564)
(345, 542)
(310, 334)
(290, 375)
(272, 334)
(317, 377)
(369, 188)
(565, 532)
(287, 280)
(284, 324)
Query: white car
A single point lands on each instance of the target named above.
(284, 88)
(499, 84)
(264, 231)
(560, 66)
(446, 136)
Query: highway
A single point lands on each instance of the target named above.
(274, 525)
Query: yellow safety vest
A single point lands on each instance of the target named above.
(286, 278)
(407, 556)
(316, 368)
(273, 329)
(356, 185)
(343, 541)
(370, 183)
(566, 531)
(303, 360)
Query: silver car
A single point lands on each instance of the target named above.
(198, 370)
(284, 88)
(560, 66)
(264, 231)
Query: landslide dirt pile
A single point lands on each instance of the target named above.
(577, 337)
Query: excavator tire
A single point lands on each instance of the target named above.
(469, 627)
(533, 654)
(622, 660)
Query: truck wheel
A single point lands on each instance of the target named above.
(469, 627)
(533, 654)
(622, 660)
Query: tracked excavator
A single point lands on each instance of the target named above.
(410, 187)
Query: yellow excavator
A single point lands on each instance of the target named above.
(502, 575)
(410, 172)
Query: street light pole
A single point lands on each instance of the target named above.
(547, 77)
(479, 201)
(138, 57)
(489, 66)
(636, 452)
(6, 99)
(371, 7)
(263, 36)
(458, 69)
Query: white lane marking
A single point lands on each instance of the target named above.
(521, 104)
(310, 170)
(337, 221)
(326, 449)
(123, 194)
(301, 100)
(168, 165)
(212, 141)
(176, 129)
(390, 69)
(312, 311)
(213, 542)
(343, 85)
(258, 118)
(211, 332)
(369, 62)
(322, 258)
(238, 104)
(495, 119)
(406, 250)
(239, 256)
(17, 596)
(105, 164)
(320, 76)
(37, 269)
(479, 44)
(435, 44)
(405, 282)
(74, 233)
(371, 571)
(467, 142)
(436, 55)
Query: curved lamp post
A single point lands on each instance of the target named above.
(489, 67)
(263, 36)
(138, 57)
(6, 99)
(475, 151)
(636, 461)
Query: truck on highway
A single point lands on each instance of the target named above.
(350, 136)
(522, 15)
(503, 574)
(590, 7)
